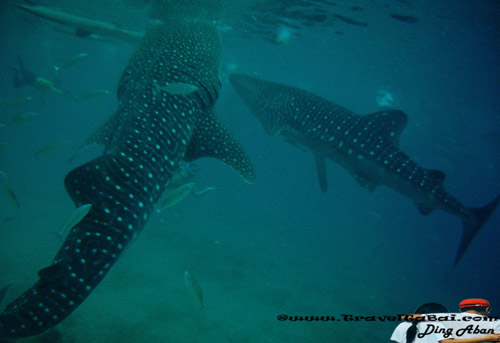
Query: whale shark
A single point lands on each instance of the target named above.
(366, 146)
(83, 27)
(151, 132)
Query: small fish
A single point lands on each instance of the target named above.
(93, 94)
(5, 182)
(44, 85)
(4, 290)
(182, 175)
(3, 145)
(178, 88)
(194, 289)
(5, 104)
(404, 18)
(52, 147)
(198, 193)
(22, 118)
(177, 195)
(8, 219)
(76, 216)
(350, 20)
(71, 61)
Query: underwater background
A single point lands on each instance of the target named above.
(280, 245)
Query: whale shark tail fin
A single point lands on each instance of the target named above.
(482, 214)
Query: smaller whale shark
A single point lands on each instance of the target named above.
(367, 146)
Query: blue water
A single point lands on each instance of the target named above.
(279, 245)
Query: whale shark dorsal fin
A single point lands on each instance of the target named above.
(105, 135)
(321, 169)
(389, 123)
(211, 138)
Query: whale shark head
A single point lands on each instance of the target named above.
(266, 100)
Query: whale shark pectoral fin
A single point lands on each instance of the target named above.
(212, 139)
(365, 182)
(424, 210)
(389, 123)
(321, 169)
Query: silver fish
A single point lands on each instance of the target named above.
(5, 182)
(52, 147)
(199, 193)
(177, 195)
(93, 94)
(22, 118)
(76, 216)
(71, 61)
(178, 88)
(182, 175)
(5, 104)
(181, 192)
(193, 289)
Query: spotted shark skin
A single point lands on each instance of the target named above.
(150, 133)
(367, 146)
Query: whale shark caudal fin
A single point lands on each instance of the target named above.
(470, 230)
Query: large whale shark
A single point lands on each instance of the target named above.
(367, 146)
(152, 130)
